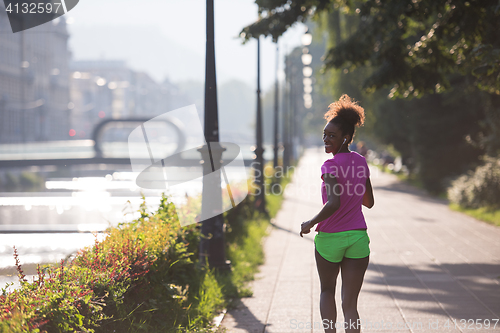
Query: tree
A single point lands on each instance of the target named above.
(412, 45)
(404, 49)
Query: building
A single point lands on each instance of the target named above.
(97, 91)
(34, 82)
(102, 89)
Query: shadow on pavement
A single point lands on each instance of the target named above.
(408, 189)
(294, 232)
(245, 319)
(472, 289)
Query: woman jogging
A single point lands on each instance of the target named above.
(342, 242)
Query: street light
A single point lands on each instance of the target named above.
(276, 111)
(286, 114)
(306, 38)
(307, 71)
(212, 241)
(307, 59)
(259, 151)
(293, 112)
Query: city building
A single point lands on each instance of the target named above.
(103, 89)
(34, 82)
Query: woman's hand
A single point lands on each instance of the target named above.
(306, 227)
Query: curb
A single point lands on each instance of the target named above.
(218, 320)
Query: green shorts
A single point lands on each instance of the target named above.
(350, 244)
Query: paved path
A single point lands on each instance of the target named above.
(428, 265)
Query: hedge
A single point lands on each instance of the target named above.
(478, 188)
(143, 277)
(136, 279)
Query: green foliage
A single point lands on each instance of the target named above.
(246, 228)
(11, 182)
(413, 45)
(210, 296)
(479, 188)
(26, 181)
(489, 140)
(30, 181)
(135, 280)
(486, 214)
(445, 52)
(143, 277)
(432, 133)
(437, 135)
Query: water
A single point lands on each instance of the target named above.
(49, 226)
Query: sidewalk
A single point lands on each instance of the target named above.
(428, 265)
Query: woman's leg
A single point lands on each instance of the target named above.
(353, 272)
(328, 272)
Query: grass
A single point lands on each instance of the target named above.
(247, 228)
(485, 214)
(143, 277)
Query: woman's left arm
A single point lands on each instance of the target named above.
(329, 207)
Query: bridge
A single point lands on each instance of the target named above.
(99, 151)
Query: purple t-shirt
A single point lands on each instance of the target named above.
(351, 171)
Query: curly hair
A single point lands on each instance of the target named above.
(346, 113)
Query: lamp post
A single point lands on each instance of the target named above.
(276, 111)
(24, 65)
(259, 151)
(292, 113)
(286, 114)
(212, 240)
(307, 70)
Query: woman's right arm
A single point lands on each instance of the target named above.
(368, 200)
(329, 208)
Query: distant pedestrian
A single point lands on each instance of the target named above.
(361, 148)
(342, 242)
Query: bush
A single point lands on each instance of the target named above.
(26, 181)
(478, 188)
(143, 277)
(30, 181)
(11, 182)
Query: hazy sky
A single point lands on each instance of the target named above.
(166, 38)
